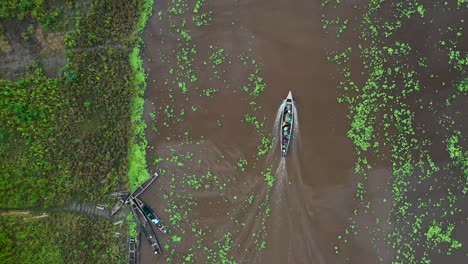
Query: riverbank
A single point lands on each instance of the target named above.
(67, 135)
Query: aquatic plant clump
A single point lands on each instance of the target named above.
(391, 103)
(193, 76)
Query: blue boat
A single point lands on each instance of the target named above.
(151, 215)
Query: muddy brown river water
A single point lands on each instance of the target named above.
(312, 197)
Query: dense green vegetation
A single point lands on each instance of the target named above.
(405, 109)
(48, 14)
(31, 110)
(71, 137)
(59, 238)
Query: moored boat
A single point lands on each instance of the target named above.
(287, 123)
(144, 186)
(132, 251)
(145, 227)
(151, 215)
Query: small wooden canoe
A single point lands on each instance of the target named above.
(145, 227)
(287, 124)
(151, 215)
(144, 186)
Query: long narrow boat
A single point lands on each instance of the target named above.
(144, 186)
(124, 196)
(132, 251)
(145, 227)
(151, 215)
(287, 124)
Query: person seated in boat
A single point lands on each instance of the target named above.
(285, 140)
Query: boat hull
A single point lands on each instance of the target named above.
(151, 215)
(287, 125)
(145, 227)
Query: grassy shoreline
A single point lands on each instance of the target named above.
(138, 168)
(76, 136)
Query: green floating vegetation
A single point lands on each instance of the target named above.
(138, 172)
(269, 178)
(217, 57)
(195, 174)
(209, 91)
(388, 104)
(241, 164)
(225, 247)
(201, 18)
(254, 88)
(436, 235)
(341, 25)
(463, 85)
(459, 156)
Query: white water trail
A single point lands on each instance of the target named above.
(296, 134)
(281, 172)
(275, 142)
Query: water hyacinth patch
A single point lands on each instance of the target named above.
(384, 117)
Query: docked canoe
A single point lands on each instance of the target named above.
(144, 186)
(151, 215)
(145, 227)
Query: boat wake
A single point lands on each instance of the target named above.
(292, 214)
(278, 119)
(281, 172)
(296, 134)
(275, 142)
(273, 157)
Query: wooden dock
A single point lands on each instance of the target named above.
(122, 200)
